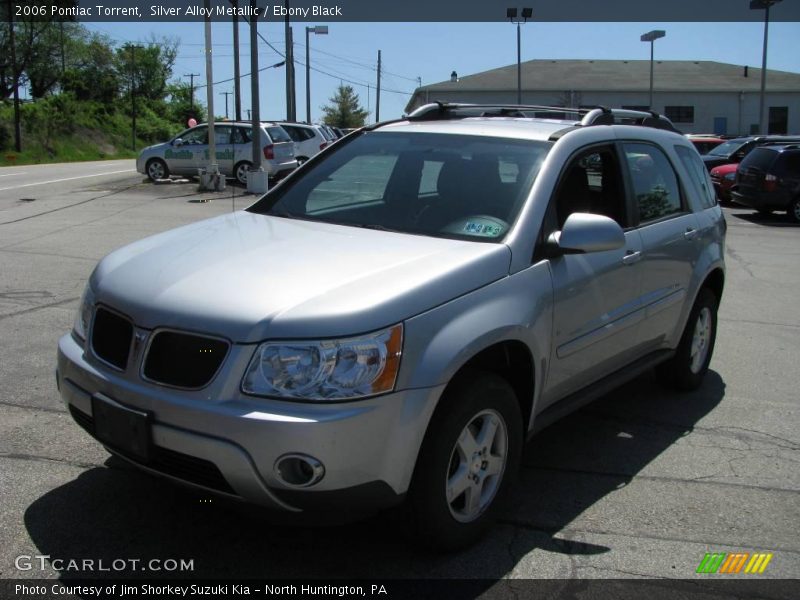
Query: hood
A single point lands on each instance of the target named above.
(249, 277)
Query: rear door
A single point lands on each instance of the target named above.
(597, 306)
(223, 149)
(670, 234)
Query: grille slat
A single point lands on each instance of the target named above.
(111, 338)
(183, 360)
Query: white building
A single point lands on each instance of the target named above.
(698, 96)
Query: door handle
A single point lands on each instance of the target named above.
(631, 257)
(690, 233)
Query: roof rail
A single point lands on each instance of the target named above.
(452, 110)
(584, 117)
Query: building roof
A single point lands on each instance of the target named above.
(619, 76)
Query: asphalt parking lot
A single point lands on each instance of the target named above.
(642, 483)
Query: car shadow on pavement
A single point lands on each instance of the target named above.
(776, 219)
(116, 512)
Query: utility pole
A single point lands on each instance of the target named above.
(289, 52)
(237, 90)
(257, 179)
(191, 77)
(14, 80)
(132, 48)
(378, 93)
(63, 57)
(226, 94)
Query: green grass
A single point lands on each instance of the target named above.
(61, 129)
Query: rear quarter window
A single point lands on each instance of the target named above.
(278, 134)
(701, 181)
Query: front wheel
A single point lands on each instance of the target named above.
(686, 370)
(241, 170)
(794, 210)
(468, 459)
(157, 169)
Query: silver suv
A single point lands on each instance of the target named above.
(188, 152)
(392, 321)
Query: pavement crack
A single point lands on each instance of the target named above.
(628, 477)
(47, 212)
(743, 263)
(49, 459)
(60, 411)
(40, 307)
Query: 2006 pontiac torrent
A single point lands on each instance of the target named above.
(391, 322)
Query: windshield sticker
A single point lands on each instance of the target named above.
(486, 230)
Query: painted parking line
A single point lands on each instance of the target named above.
(14, 187)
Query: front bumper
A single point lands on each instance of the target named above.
(218, 439)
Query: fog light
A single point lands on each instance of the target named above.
(299, 470)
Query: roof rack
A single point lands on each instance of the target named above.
(584, 117)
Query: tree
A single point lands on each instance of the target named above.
(344, 109)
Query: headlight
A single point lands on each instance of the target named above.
(729, 176)
(84, 316)
(323, 370)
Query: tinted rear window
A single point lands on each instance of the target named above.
(278, 134)
(760, 158)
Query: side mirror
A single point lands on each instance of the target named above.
(584, 233)
(177, 142)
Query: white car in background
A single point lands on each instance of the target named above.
(308, 139)
(188, 152)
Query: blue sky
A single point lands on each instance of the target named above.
(432, 50)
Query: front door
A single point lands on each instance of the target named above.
(597, 307)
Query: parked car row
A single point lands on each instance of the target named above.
(284, 146)
(761, 172)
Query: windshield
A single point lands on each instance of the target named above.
(442, 185)
(727, 148)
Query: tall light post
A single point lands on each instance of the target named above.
(526, 14)
(759, 5)
(652, 36)
(317, 30)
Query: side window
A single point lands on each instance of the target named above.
(222, 134)
(196, 136)
(592, 184)
(655, 184)
(791, 164)
(699, 175)
(241, 135)
(430, 176)
(361, 181)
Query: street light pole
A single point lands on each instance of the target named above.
(511, 14)
(652, 36)
(317, 30)
(758, 5)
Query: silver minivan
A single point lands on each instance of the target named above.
(188, 152)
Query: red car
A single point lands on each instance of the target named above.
(723, 178)
(705, 143)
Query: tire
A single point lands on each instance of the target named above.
(685, 371)
(794, 210)
(156, 169)
(240, 171)
(453, 457)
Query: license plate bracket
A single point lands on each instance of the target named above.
(122, 428)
